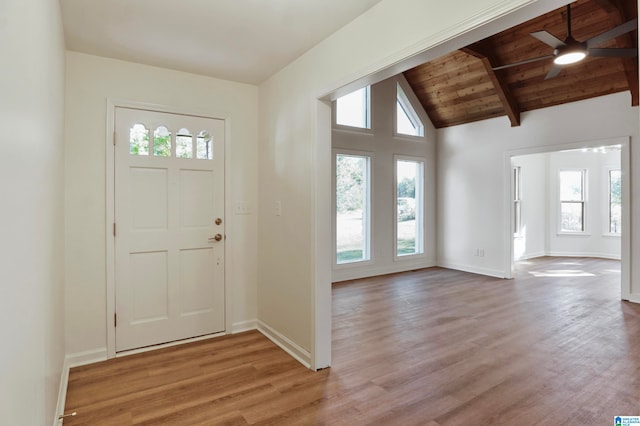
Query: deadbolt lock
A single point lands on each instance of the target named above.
(218, 221)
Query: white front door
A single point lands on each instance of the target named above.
(169, 230)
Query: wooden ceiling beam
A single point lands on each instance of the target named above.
(502, 90)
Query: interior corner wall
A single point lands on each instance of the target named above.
(374, 46)
(31, 217)
(471, 182)
(90, 81)
(382, 143)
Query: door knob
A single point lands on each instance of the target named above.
(217, 237)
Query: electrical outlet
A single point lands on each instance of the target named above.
(278, 208)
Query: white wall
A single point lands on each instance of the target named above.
(540, 206)
(31, 217)
(90, 81)
(295, 248)
(532, 242)
(382, 143)
(470, 178)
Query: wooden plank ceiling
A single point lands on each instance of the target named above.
(461, 87)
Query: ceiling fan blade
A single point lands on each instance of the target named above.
(555, 70)
(614, 53)
(548, 39)
(526, 61)
(613, 33)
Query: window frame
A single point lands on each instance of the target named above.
(367, 112)
(368, 217)
(420, 216)
(582, 201)
(405, 95)
(608, 231)
(517, 201)
(403, 101)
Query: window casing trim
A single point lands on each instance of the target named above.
(368, 219)
(582, 202)
(419, 213)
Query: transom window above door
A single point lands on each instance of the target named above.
(162, 142)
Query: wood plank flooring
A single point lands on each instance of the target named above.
(432, 347)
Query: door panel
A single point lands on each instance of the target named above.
(149, 283)
(169, 191)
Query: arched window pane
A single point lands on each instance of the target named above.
(139, 140)
(162, 142)
(204, 146)
(184, 144)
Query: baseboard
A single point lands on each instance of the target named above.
(633, 298)
(74, 360)
(62, 392)
(242, 326)
(345, 274)
(532, 256)
(300, 354)
(473, 269)
(582, 254)
(87, 357)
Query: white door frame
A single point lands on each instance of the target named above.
(625, 264)
(112, 104)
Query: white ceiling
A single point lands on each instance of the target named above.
(239, 40)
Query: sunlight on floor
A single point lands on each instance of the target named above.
(561, 273)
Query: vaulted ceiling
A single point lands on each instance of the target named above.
(463, 86)
(245, 41)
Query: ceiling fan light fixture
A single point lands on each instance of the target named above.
(569, 57)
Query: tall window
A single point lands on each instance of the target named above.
(353, 208)
(517, 202)
(407, 120)
(615, 201)
(409, 207)
(354, 109)
(572, 200)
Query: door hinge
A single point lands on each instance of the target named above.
(115, 319)
(114, 229)
(114, 138)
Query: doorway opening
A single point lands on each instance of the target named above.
(570, 203)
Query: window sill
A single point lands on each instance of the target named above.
(354, 264)
(348, 129)
(397, 258)
(609, 235)
(573, 234)
(411, 138)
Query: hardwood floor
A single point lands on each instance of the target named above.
(430, 347)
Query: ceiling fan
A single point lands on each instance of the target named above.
(571, 51)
